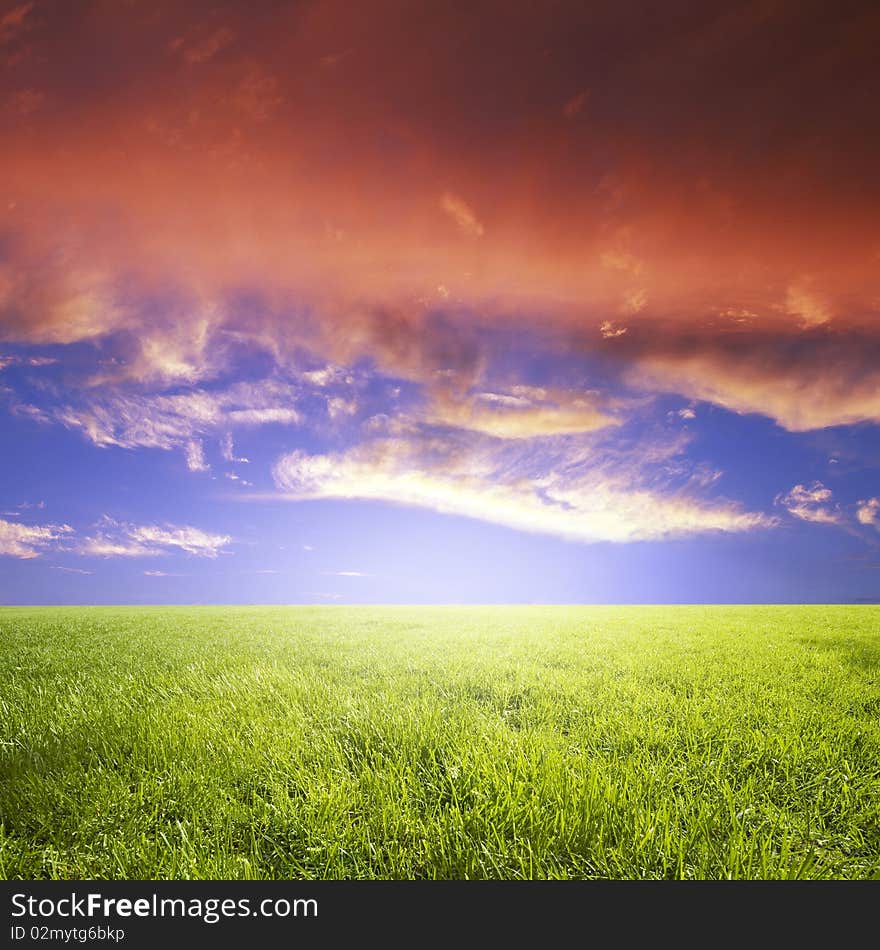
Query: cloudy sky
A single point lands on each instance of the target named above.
(318, 301)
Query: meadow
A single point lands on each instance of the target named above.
(440, 742)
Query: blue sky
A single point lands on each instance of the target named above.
(327, 305)
(252, 544)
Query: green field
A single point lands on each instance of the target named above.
(440, 742)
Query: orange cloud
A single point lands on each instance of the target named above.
(803, 383)
(462, 214)
(340, 164)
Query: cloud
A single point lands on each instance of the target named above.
(29, 541)
(813, 380)
(121, 539)
(347, 574)
(186, 351)
(227, 447)
(802, 302)
(609, 330)
(462, 214)
(11, 359)
(257, 95)
(195, 457)
(225, 175)
(810, 503)
(260, 417)
(325, 376)
(132, 420)
(14, 22)
(129, 421)
(868, 512)
(522, 412)
(337, 407)
(70, 570)
(203, 48)
(576, 104)
(621, 261)
(550, 494)
(634, 301)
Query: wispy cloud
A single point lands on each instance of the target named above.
(195, 456)
(179, 420)
(29, 541)
(31, 361)
(121, 539)
(523, 412)
(802, 301)
(554, 492)
(227, 449)
(462, 214)
(621, 260)
(264, 416)
(70, 570)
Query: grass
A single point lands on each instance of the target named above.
(449, 742)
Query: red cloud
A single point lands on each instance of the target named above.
(319, 155)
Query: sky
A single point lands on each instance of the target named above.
(420, 302)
